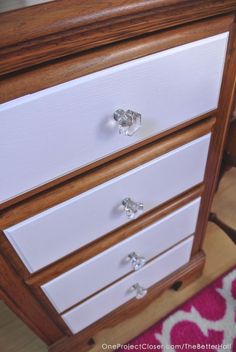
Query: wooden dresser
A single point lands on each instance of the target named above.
(113, 119)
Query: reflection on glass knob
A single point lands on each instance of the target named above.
(128, 121)
(132, 209)
(140, 291)
(136, 261)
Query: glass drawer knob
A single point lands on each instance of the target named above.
(132, 209)
(128, 121)
(140, 291)
(137, 262)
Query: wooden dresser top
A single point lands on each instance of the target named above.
(47, 31)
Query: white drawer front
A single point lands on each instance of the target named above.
(48, 134)
(111, 298)
(105, 268)
(52, 234)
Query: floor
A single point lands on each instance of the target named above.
(221, 255)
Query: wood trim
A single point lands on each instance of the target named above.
(113, 238)
(48, 31)
(186, 274)
(82, 183)
(60, 71)
(224, 113)
(19, 298)
(64, 15)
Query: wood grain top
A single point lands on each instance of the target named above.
(45, 32)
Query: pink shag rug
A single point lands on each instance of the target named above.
(206, 322)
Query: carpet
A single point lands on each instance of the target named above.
(206, 322)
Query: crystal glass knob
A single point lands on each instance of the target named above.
(128, 121)
(140, 291)
(136, 261)
(132, 209)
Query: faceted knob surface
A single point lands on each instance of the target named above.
(136, 261)
(128, 121)
(132, 209)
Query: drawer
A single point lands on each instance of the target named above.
(53, 132)
(54, 233)
(121, 292)
(110, 265)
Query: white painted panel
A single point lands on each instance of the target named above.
(55, 131)
(77, 284)
(50, 235)
(111, 298)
